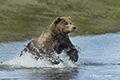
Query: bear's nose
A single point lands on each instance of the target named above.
(74, 27)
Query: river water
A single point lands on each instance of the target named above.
(99, 59)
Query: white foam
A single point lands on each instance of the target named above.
(28, 61)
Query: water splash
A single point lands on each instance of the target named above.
(28, 61)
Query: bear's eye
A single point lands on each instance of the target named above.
(70, 23)
(66, 23)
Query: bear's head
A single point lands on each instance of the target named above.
(63, 25)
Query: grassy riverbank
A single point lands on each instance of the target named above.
(25, 19)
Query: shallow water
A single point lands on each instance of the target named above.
(99, 60)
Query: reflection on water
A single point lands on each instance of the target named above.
(99, 60)
(38, 73)
(55, 73)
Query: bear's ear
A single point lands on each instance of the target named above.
(69, 18)
(58, 19)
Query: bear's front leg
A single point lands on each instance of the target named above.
(73, 53)
(54, 59)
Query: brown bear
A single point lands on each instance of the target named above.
(54, 39)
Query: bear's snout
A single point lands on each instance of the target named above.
(74, 27)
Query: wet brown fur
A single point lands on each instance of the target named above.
(54, 39)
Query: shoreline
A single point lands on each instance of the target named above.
(23, 20)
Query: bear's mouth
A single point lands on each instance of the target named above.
(72, 30)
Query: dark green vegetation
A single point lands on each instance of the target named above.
(25, 19)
